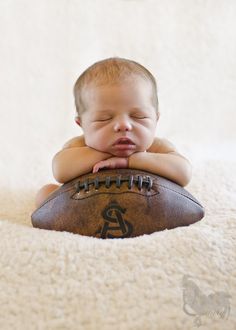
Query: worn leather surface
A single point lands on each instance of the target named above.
(117, 204)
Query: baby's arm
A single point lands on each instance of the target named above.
(163, 159)
(75, 159)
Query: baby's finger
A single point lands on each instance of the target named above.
(95, 168)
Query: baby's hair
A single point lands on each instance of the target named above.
(111, 71)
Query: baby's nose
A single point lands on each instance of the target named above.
(122, 125)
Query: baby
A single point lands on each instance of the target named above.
(117, 109)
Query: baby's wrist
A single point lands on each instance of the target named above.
(133, 158)
(129, 161)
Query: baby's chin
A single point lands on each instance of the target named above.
(123, 153)
(117, 153)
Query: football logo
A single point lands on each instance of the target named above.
(114, 222)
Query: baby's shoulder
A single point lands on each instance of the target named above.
(161, 145)
(77, 141)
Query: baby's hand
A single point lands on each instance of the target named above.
(113, 162)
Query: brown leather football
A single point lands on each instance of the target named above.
(117, 204)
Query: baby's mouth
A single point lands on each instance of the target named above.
(124, 145)
(123, 141)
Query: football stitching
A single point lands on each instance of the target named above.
(125, 192)
(68, 189)
(118, 180)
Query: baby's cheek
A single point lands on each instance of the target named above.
(91, 140)
(89, 143)
(98, 145)
(102, 143)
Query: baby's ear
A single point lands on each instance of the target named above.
(78, 121)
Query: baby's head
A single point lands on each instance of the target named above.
(109, 72)
(116, 95)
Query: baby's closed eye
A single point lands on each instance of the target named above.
(139, 117)
(102, 119)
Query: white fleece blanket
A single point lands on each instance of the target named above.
(58, 280)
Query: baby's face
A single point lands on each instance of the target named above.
(120, 119)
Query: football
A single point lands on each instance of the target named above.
(117, 203)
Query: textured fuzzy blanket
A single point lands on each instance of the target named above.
(176, 279)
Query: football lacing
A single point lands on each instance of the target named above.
(140, 181)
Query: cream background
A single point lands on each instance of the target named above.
(188, 45)
(51, 280)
